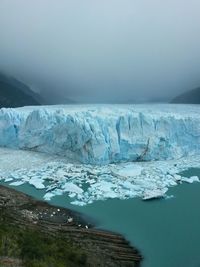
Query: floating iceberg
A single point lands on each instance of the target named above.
(154, 194)
(190, 180)
(85, 184)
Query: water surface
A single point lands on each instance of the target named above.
(166, 231)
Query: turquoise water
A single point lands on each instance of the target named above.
(167, 232)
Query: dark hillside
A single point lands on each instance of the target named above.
(190, 97)
(13, 93)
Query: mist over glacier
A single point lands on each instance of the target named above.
(102, 51)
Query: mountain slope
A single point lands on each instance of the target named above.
(190, 97)
(13, 93)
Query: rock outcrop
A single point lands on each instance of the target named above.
(102, 248)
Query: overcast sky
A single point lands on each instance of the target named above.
(118, 49)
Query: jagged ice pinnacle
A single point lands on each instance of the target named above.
(103, 134)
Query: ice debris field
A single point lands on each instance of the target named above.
(99, 152)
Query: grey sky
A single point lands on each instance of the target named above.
(115, 48)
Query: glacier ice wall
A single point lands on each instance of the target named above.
(104, 134)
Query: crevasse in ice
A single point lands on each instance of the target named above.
(103, 134)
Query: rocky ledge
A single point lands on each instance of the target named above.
(96, 247)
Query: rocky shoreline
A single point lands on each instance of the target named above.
(101, 248)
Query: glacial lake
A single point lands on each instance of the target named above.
(167, 231)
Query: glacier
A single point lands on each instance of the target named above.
(96, 152)
(104, 134)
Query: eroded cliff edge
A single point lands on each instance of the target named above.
(84, 245)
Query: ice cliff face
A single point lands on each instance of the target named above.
(104, 134)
